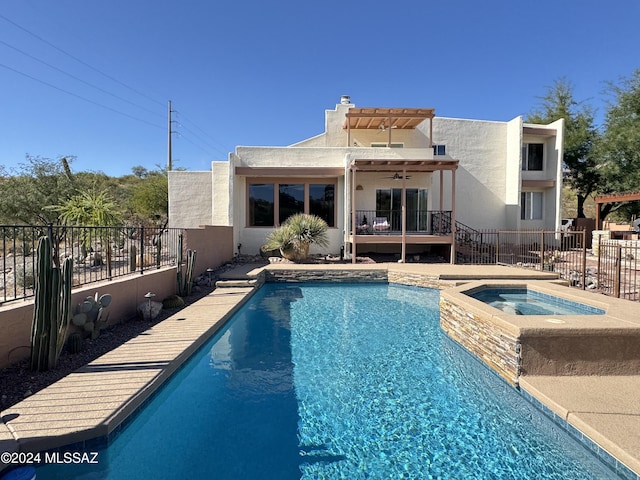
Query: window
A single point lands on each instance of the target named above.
(532, 156)
(389, 205)
(291, 200)
(321, 201)
(439, 150)
(261, 204)
(270, 204)
(384, 145)
(531, 206)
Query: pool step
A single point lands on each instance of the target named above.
(236, 283)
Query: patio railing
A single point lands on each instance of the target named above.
(99, 253)
(389, 222)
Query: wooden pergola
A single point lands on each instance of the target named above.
(402, 167)
(612, 198)
(387, 119)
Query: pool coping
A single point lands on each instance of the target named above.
(120, 386)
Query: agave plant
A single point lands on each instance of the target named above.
(296, 234)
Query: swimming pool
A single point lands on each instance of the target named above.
(524, 301)
(350, 381)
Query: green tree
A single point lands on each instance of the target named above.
(35, 185)
(619, 147)
(89, 209)
(150, 198)
(92, 209)
(580, 137)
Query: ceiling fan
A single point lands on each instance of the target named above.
(383, 128)
(397, 176)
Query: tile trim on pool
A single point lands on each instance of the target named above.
(35, 426)
(612, 462)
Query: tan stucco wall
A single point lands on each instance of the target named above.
(127, 292)
(213, 244)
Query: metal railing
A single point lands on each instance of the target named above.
(617, 270)
(99, 253)
(561, 252)
(389, 222)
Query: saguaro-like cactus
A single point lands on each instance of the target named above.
(52, 310)
(133, 256)
(188, 279)
(179, 265)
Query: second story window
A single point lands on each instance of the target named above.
(532, 154)
(439, 150)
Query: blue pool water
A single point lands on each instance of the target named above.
(329, 382)
(522, 301)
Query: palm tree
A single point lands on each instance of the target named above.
(91, 209)
(296, 234)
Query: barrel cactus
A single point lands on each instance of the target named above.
(172, 301)
(74, 344)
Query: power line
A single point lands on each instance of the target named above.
(80, 61)
(195, 144)
(80, 80)
(201, 139)
(80, 97)
(224, 147)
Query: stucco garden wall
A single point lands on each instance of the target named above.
(127, 293)
(213, 244)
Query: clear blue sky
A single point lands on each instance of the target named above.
(251, 72)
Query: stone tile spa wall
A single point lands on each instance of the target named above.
(419, 280)
(495, 346)
(294, 275)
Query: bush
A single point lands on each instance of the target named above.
(296, 234)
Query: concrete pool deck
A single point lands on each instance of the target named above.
(94, 401)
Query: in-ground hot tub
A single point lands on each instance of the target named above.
(524, 301)
(590, 335)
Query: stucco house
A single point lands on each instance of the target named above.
(389, 180)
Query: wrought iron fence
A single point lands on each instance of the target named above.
(99, 253)
(561, 252)
(617, 271)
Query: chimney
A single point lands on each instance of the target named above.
(345, 100)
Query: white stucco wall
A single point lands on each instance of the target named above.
(513, 174)
(552, 170)
(481, 148)
(223, 183)
(488, 180)
(190, 199)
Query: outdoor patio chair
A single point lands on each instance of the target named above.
(363, 226)
(381, 224)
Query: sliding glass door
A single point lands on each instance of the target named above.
(389, 205)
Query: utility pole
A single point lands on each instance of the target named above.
(169, 160)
